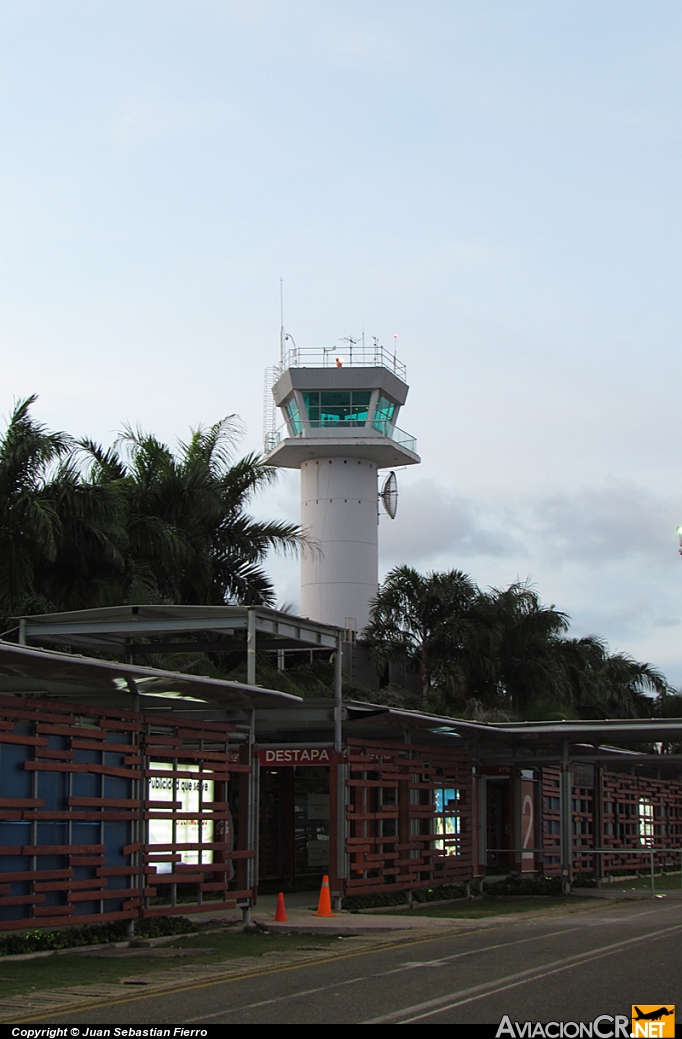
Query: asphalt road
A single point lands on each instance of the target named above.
(568, 968)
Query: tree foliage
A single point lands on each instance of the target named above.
(426, 619)
(502, 652)
(83, 526)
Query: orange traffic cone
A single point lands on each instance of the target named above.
(324, 906)
(280, 911)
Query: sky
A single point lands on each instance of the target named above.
(496, 182)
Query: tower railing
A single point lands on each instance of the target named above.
(350, 355)
(399, 436)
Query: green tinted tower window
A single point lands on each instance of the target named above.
(383, 414)
(337, 407)
(294, 416)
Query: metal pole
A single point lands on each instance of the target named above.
(653, 887)
(252, 817)
(565, 823)
(517, 801)
(252, 833)
(341, 871)
(482, 828)
(251, 646)
(143, 796)
(338, 701)
(22, 631)
(598, 817)
(341, 827)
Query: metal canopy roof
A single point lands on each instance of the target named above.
(114, 628)
(628, 730)
(531, 734)
(524, 744)
(624, 730)
(28, 671)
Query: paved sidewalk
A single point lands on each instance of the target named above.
(301, 909)
(303, 919)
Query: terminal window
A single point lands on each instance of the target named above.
(192, 794)
(446, 823)
(646, 821)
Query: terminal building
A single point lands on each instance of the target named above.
(130, 792)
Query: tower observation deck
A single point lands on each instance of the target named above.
(340, 411)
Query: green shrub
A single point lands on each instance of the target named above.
(584, 880)
(374, 901)
(94, 934)
(442, 893)
(439, 894)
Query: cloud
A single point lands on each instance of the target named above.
(608, 522)
(434, 520)
(589, 526)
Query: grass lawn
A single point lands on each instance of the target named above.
(482, 907)
(23, 976)
(665, 882)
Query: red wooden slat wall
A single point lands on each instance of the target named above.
(49, 748)
(620, 827)
(391, 808)
(551, 832)
(187, 888)
(621, 797)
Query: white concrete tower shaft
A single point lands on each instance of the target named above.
(339, 511)
(340, 430)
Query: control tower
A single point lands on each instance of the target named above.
(340, 411)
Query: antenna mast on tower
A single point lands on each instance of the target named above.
(281, 324)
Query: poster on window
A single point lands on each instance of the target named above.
(186, 791)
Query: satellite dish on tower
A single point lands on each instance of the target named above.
(389, 495)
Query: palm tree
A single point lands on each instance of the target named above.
(426, 620)
(502, 652)
(516, 663)
(189, 538)
(90, 545)
(84, 526)
(60, 538)
(603, 685)
(29, 523)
